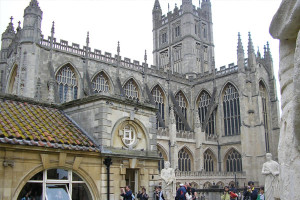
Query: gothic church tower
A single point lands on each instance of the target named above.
(183, 39)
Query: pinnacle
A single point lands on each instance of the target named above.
(240, 47)
(156, 5)
(250, 44)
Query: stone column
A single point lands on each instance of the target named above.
(285, 26)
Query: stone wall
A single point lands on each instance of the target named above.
(285, 26)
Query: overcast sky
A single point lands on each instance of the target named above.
(130, 22)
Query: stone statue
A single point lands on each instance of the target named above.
(169, 181)
(271, 170)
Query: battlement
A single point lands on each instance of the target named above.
(227, 70)
(173, 15)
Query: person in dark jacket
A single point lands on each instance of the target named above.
(143, 195)
(254, 192)
(250, 193)
(127, 193)
(180, 194)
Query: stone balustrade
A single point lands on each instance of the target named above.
(207, 174)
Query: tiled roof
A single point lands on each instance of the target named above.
(25, 123)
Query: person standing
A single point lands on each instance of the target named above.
(253, 191)
(193, 192)
(234, 191)
(143, 195)
(158, 194)
(261, 195)
(226, 195)
(126, 193)
(180, 193)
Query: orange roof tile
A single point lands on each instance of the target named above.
(35, 125)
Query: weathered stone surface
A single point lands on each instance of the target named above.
(285, 26)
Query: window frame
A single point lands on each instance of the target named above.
(67, 77)
(68, 182)
(231, 111)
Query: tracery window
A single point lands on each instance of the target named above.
(159, 101)
(131, 90)
(208, 161)
(100, 83)
(204, 102)
(184, 161)
(234, 161)
(264, 98)
(56, 184)
(161, 163)
(66, 80)
(183, 106)
(231, 109)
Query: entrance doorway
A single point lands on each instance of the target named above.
(132, 179)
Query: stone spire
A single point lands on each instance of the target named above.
(8, 35)
(250, 44)
(52, 29)
(118, 48)
(240, 54)
(19, 26)
(145, 57)
(240, 48)
(10, 30)
(258, 53)
(251, 53)
(87, 39)
(268, 52)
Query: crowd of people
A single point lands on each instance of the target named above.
(249, 193)
(187, 192)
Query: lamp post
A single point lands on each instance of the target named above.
(107, 162)
(235, 180)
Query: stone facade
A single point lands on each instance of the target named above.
(211, 124)
(285, 27)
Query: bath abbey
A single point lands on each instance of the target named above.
(88, 122)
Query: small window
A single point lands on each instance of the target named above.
(177, 31)
(164, 38)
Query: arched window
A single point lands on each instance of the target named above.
(231, 108)
(13, 83)
(208, 161)
(234, 161)
(100, 83)
(264, 98)
(131, 89)
(56, 184)
(67, 80)
(182, 102)
(158, 97)
(161, 154)
(184, 161)
(207, 185)
(204, 101)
